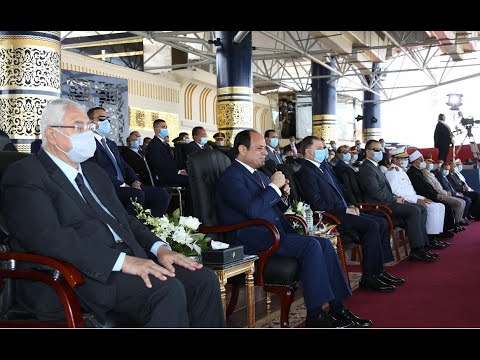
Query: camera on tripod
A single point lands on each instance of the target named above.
(469, 121)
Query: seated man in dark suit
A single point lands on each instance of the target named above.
(243, 193)
(271, 139)
(292, 146)
(122, 175)
(72, 213)
(134, 156)
(161, 161)
(199, 142)
(460, 186)
(377, 189)
(323, 194)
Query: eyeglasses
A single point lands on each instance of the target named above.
(77, 127)
(103, 118)
(376, 150)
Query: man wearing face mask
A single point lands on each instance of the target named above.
(322, 193)
(347, 174)
(402, 186)
(71, 212)
(122, 175)
(219, 138)
(377, 189)
(134, 156)
(271, 139)
(360, 151)
(292, 146)
(199, 142)
(161, 161)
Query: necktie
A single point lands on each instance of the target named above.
(109, 220)
(331, 181)
(258, 179)
(112, 159)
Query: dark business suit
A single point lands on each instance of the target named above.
(448, 187)
(274, 156)
(192, 146)
(323, 194)
(240, 197)
(163, 165)
(136, 160)
(288, 148)
(152, 198)
(348, 177)
(442, 140)
(59, 223)
(424, 188)
(458, 184)
(35, 146)
(377, 189)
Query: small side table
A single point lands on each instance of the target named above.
(225, 271)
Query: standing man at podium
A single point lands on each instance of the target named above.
(442, 138)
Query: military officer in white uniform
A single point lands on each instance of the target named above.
(402, 186)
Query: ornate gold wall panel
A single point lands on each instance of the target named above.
(234, 110)
(371, 133)
(141, 119)
(30, 68)
(325, 126)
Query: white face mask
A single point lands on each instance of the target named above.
(422, 165)
(83, 146)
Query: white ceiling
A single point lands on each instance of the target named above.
(409, 61)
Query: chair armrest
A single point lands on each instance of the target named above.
(72, 276)
(263, 255)
(298, 219)
(332, 219)
(64, 278)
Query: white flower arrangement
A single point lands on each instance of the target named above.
(178, 231)
(297, 208)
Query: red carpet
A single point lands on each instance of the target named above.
(443, 294)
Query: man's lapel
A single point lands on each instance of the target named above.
(61, 180)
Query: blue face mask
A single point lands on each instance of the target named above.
(135, 144)
(83, 146)
(274, 142)
(203, 140)
(355, 157)
(378, 156)
(430, 167)
(163, 133)
(320, 155)
(104, 128)
(139, 139)
(187, 140)
(445, 172)
(347, 157)
(404, 163)
(459, 168)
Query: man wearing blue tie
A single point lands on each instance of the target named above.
(322, 192)
(122, 175)
(243, 193)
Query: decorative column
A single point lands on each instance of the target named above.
(372, 125)
(234, 84)
(29, 79)
(324, 101)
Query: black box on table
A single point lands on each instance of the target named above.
(222, 256)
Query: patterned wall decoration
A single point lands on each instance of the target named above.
(95, 90)
(324, 126)
(202, 102)
(141, 119)
(234, 110)
(187, 101)
(30, 68)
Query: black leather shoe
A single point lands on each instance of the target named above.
(447, 234)
(420, 255)
(435, 245)
(442, 243)
(463, 223)
(347, 315)
(390, 279)
(432, 254)
(325, 320)
(374, 283)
